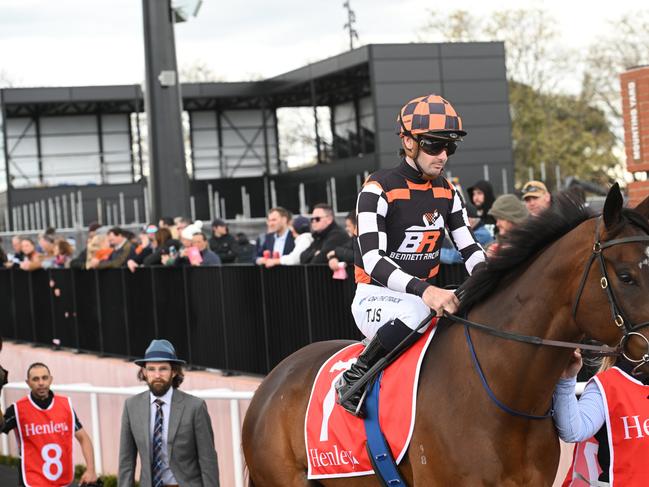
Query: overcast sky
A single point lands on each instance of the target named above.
(95, 42)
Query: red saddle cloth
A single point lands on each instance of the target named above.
(335, 440)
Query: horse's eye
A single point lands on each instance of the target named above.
(626, 278)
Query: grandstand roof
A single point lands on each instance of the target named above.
(336, 78)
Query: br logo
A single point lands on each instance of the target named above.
(422, 239)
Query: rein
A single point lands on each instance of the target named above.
(601, 350)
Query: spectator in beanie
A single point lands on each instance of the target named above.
(344, 253)
(327, 235)
(482, 197)
(177, 256)
(301, 230)
(222, 243)
(509, 212)
(483, 236)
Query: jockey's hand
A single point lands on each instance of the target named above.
(574, 366)
(441, 300)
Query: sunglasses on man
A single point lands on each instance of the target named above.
(436, 147)
(316, 219)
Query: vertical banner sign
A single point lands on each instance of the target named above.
(634, 85)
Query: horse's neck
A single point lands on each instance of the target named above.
(537, 302)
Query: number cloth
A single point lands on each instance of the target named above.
(335, 439)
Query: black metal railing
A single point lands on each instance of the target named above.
(239, 318)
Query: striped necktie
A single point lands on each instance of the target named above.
(157, 460)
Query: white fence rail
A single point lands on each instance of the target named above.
(208, 394)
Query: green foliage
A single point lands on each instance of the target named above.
(12, 461)
(108, 480)
(549, 126)
(558, 129)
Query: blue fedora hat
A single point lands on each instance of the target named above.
(160, 351)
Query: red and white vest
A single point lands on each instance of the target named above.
(46, 442)
(626, 403)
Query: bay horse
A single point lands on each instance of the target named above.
(461, 438)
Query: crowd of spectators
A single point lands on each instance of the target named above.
(300, 240)
(491, 218)
(289, 240)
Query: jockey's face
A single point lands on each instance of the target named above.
(431, 165)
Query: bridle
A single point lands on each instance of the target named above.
(619, 317)
(617, 314)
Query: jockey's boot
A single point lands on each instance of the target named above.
(373, 352)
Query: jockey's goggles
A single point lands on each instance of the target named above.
(434, 147)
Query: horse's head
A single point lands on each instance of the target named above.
(612, 303)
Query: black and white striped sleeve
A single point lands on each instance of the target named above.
(460, 232)
(371, 209)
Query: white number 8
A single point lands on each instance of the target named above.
(52, 461)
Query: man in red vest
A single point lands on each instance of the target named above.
(45, 425)
(610, 423)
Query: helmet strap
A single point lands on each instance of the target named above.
(415, 155)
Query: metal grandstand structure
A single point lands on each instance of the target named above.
(73, 155)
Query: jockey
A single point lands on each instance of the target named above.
(614, 412)
(402, 213)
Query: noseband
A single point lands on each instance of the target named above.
(618, 316)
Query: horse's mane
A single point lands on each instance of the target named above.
(529, 238)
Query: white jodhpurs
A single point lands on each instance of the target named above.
(374, 306)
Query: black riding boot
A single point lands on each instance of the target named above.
(373, 352)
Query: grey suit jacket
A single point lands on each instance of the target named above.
(190, 442)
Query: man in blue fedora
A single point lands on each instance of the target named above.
(171, 430)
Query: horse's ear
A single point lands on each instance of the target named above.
(643, 207)
(613, 207)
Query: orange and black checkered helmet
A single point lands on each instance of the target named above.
(432, 115)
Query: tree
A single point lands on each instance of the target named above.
(559, 130)
(198, 72)
(548, 126)
(625, 47)
(6, 80)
